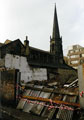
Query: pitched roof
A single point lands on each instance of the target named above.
(10, 43)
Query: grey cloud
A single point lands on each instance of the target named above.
(35, 19)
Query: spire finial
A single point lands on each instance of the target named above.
(55, 33)
(26, 37)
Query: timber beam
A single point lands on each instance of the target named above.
(49, 100)
(63, 91)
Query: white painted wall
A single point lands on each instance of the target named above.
(27, 73)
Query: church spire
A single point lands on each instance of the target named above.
(56, 40)
(55, 33)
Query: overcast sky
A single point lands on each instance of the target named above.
(34, 18)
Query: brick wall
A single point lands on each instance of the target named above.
(8, 86)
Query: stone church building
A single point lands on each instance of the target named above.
(36, 64)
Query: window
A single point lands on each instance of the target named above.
(81, 61)
(71, 51)
(75, 56)
(74, 62)
(77, 50)
(82, 55)
(53, 47)
(75, 67)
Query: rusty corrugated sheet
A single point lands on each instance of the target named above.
(42, 96)
(28, 106)
(38, 108)
(66, 114)
(22, 102)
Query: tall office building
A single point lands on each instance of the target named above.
(76, 56)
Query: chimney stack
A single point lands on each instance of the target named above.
(26, 42)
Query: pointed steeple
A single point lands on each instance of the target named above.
(55, 33)
(56, 40)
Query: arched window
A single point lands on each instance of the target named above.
(53, 47)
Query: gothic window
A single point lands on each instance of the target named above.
(53, 47)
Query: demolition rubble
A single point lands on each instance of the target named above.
(37, 84)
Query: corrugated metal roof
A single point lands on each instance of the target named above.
(44, 109)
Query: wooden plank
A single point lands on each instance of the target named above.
(63, 91)
(49, 100)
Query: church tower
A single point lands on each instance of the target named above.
(56, 40)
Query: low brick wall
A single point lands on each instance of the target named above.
(8, 86)
(8, 91)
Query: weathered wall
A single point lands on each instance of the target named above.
(67, 76)
(8, 80)
(11, 48)
(27, 73)
(81, 85)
